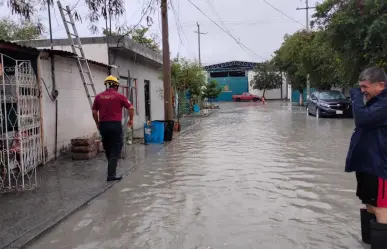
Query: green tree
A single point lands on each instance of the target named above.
(266, 77)
(140, 35)
(11, 30)
(321, 62)
(212, 90)
(187, 75)
(108, 10)
(289, 59)
(356, 31)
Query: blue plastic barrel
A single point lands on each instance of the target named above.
(196, 108)
(157, 132)
(147, 133)
(154, 133)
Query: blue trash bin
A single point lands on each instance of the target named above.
(196, 108)
(154, 133)
(147, 133)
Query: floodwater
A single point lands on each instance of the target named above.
(249, 176)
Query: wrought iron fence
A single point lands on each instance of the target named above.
(20, 125)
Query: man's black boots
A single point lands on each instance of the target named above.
(114, 178)
(378, 235)
(365, 218)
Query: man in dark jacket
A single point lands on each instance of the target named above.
(367, 154)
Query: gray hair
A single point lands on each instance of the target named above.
(373, 75)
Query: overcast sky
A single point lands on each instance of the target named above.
(254, 23)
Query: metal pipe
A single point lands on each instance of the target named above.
(56, 129)
(54, 92)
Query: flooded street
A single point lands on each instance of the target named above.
(248, 176)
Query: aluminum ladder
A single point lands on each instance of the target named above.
(82, 63)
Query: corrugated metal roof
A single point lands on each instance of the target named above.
(54, 51)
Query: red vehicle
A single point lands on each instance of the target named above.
(245, 97)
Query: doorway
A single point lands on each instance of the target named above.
(147, 100)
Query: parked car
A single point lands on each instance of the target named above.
(245, 97)
(329, 103)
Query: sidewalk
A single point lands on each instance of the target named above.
(64, 186)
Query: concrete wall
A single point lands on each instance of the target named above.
(74, 114)
(99, 52)
(142, 73)
(269, 94)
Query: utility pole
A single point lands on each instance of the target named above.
(199, 33)
(168, 109)
(307, 8)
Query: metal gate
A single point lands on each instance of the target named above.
(20, 127)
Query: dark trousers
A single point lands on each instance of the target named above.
(112, 141)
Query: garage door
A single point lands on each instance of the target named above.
(231, 86)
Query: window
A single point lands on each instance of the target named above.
(331, 95)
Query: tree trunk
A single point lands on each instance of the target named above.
(264, 90)
(301, 96)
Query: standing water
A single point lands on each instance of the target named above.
(250, 176)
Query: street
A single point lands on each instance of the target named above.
(249, 176)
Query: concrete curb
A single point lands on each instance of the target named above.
(39, 230)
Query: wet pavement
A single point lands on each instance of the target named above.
(248, 176)
(63, 186)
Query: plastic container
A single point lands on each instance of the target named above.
(147, 133)
(168, 129)
(154, 133)
(196, 108)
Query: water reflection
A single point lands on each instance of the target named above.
(250, 176)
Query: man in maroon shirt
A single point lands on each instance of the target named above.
(107, 113)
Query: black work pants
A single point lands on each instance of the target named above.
(112, 141)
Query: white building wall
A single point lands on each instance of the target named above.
(74, 114)
(99, 52)
(269, 94)
(95, 52)
(142, 73)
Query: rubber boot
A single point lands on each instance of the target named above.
(378, 235)
(114, 178)
(365, 218)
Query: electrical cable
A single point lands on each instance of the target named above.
(216, 13)
(178, 24)
(75, 5)
(48, 92)
(134, 27)
(283, 13)
(233, 37)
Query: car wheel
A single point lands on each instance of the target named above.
(255, 99)
(238, 100)
(318, 113)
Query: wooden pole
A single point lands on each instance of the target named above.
(168, 108)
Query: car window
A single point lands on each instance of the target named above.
(313, 96)
(332, 95)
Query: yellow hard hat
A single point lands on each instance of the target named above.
(111, 81)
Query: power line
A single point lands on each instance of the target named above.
(151, 2)
(216, 13)
(75, 5)
(177, 21)
(233, 37)
(179, 26)
(283, 13)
